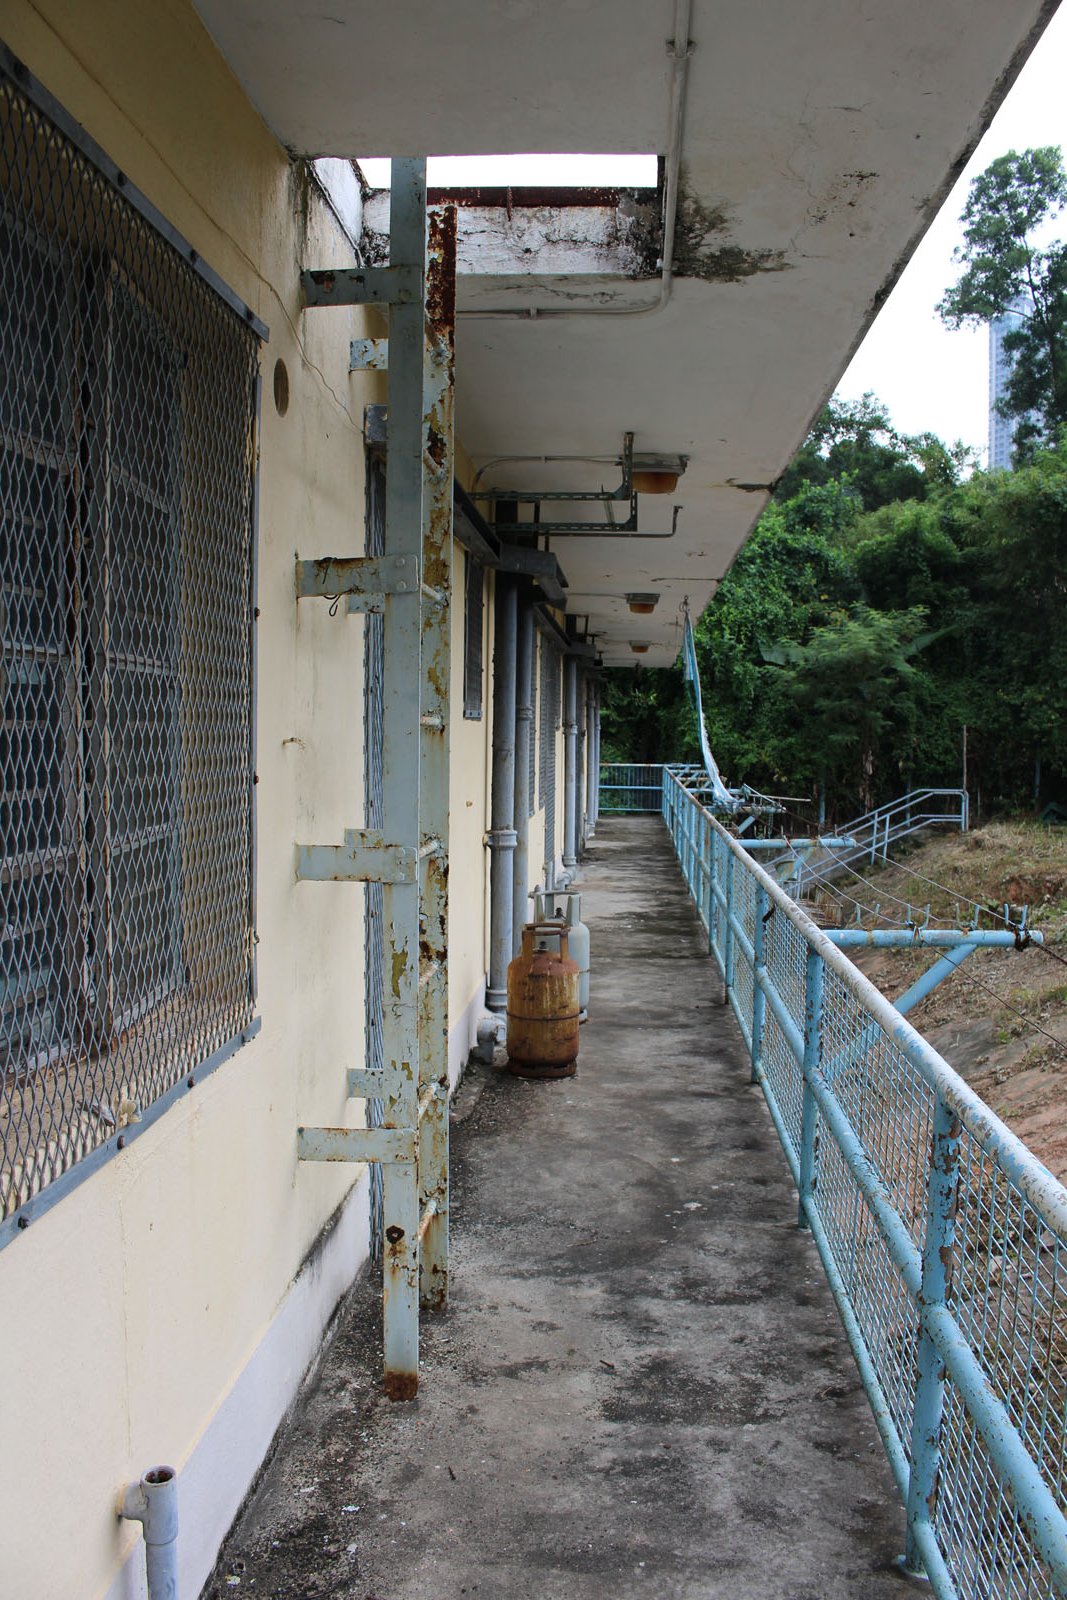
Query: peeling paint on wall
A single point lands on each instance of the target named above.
(504, 237)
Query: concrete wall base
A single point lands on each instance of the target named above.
(214, 1481)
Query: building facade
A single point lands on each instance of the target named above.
(253, 841)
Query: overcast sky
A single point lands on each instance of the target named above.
(931, 379)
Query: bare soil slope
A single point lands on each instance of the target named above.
(1001, 1018)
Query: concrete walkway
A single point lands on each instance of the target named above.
(641, 1387)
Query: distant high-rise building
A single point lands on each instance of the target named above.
(1002, 429)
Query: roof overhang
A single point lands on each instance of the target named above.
(817, 144)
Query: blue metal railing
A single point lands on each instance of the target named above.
(628, 787)
(943, 1237)
(874, 832)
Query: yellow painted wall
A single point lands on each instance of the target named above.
(129, 1310)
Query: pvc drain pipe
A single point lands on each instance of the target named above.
(153, 1502)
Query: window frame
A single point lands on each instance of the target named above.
(25, 85)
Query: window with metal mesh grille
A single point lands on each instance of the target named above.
(127, 431)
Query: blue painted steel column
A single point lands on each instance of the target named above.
(502, 818)
(524, 688)
(941, 1195)
(812, 1063)
(759, 965)
(401, 739)
(570, 763)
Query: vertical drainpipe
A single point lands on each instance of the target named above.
(579, 765)
(590, 756)
(523, 726)
(596, 752)
(570, 764)
(501, 828)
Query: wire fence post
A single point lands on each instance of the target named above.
(728, 941)
(941, 1199)
(713, 883)
(706, 847)
(759, 967)
(812, 1063)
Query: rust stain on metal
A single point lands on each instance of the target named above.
(441, 273)
(399, 966)
(534, 196)
(401, 1385)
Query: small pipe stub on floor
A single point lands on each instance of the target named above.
(154, 1503)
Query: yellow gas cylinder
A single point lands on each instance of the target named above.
(543, 1005)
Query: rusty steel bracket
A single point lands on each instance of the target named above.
(361, 286)
(365, 856)
(368, 578)
(368, 355)
(356, 1144)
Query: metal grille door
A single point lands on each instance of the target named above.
(127, 429)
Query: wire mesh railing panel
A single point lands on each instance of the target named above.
(1009, 1283)
(744, 895)
(630, 787)
(886, 1100)
(944, 1239)
(783, 1082)
(993, 1557)
(127, 434)
(786, 963)
(886, 1314)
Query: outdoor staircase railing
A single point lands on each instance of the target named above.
(874, 833)
(944, 1239)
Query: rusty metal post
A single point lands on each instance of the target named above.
(402, 682)
(502, 819)
(437, 555)
(524, 723)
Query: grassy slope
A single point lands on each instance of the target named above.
(1001, 1019)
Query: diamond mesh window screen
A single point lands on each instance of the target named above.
(127, 423)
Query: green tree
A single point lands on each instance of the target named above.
(854, 442)
(1008, 207)
(860, 696)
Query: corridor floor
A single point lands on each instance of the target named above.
(641, 1387)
